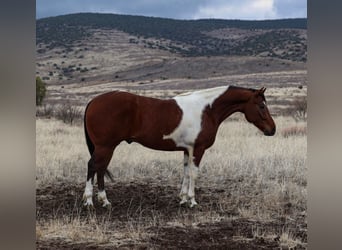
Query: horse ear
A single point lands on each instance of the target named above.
(262, 90)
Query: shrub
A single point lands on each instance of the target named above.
(300, 109)
(45, 111)
(40, 91)
(68, 113)
(297, 109)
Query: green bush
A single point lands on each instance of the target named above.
(40, 90)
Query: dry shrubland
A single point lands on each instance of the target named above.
(265, 178)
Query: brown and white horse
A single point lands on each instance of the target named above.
(187, 122)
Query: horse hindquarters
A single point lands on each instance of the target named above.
(102, 130)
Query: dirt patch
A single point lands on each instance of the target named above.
(220, 235)
(129, 200)
(154, 209)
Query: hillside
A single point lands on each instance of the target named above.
(109, 47)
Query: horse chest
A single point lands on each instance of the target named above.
(187, 131)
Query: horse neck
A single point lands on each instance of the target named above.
(231, 101)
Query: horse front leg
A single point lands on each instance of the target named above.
(185, 184)
(193, 173)
(190, 175)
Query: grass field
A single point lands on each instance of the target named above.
(251, 190)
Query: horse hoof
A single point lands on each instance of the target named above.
(183, 201)
(193, 203)
(89, 205)
(107, 205)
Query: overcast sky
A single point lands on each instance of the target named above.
(179, 9)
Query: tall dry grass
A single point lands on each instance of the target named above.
(263, 175)
(240, 151)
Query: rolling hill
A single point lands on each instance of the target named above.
(108, 47)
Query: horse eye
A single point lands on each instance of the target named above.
(262, 106)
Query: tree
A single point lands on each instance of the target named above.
(40, 90)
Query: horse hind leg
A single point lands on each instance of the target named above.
(88, 192)
(102, 159)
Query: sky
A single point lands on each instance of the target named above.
(179, 9)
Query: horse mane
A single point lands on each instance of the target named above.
(242, 88)
(249, 89)
(202, 91)
(210, 90)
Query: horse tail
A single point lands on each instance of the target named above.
(109, 175)
(90, 144)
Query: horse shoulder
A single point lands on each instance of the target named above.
(209, 127)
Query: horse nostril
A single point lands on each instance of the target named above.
(270, 133)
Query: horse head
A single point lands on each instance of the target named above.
(256, 112)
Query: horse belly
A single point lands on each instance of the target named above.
(157, 118)
(157, 143)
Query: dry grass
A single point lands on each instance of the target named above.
(265, 176)
(294, 130)
(240, 151)
(289, 241)
(73, 229)
(93, 231)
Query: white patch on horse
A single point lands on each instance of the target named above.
(185, 184)
(102, 197)
(193, 176)
(192, 105)
(88, 193)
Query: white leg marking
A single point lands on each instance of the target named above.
(193, 176)
(88, 194)
(185, 185)
(102, 197)
(190, 175)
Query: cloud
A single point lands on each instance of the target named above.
(179, 9)
(241, 9)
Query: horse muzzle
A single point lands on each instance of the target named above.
(270, 132)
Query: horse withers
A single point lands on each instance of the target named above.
(187, 122)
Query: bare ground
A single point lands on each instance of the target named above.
(153, 210)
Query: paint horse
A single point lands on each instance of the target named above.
(188, 122)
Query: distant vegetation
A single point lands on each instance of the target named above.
(186, 37)
(40, 90)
